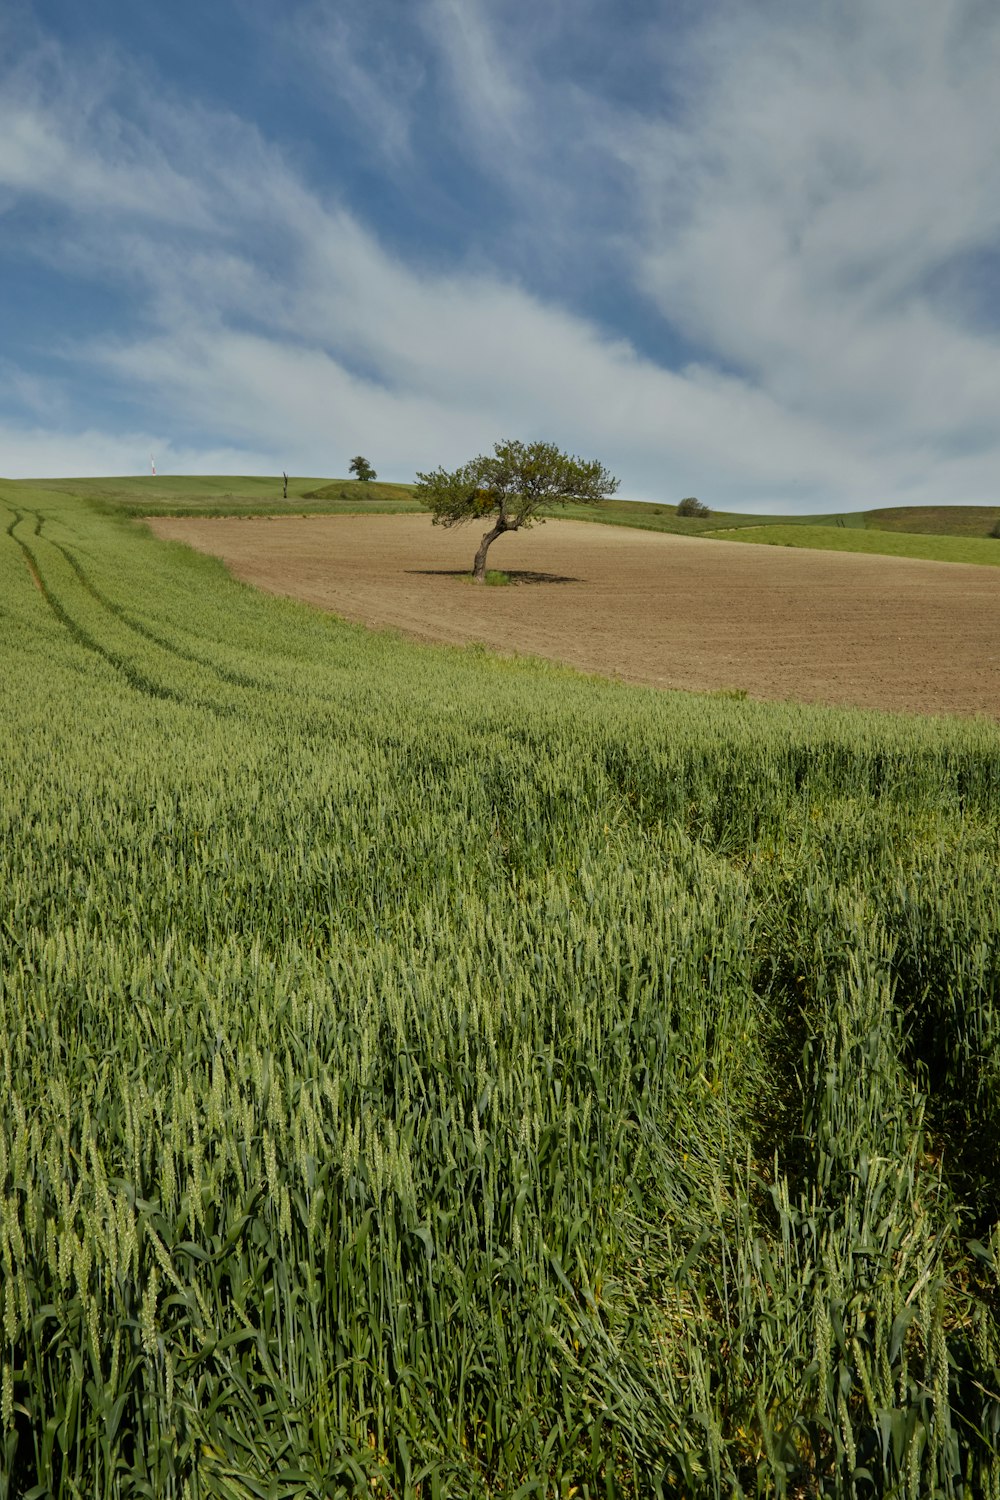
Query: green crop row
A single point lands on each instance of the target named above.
(425, 1074)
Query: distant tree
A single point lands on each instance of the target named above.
(512, 486)
(996, 529)
(361, 469)
(285, 478)
(691, 506)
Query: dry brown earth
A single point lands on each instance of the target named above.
(673, 612)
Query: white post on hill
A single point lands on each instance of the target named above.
(152, 465)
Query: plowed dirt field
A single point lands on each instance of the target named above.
(672, 612)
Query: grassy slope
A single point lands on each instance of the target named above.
(955, 549)
(179, 494)
(937, 520)
(939, 533)
(644, 517)
(229, 495)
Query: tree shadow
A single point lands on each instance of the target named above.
(515, 575)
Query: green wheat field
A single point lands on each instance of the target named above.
(426, 1074)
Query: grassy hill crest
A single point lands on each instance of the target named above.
(945, 533)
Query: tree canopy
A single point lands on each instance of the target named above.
(511, 486)
(361, 469)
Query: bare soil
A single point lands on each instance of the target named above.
(668, 611)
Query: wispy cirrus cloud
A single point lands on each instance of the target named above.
(357, 74)
(797, 215)
(750, 280)
(482, 75)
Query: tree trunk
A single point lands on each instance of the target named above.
(479, 566)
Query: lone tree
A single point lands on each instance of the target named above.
(361, 469)
(692, 506)
(512, 486)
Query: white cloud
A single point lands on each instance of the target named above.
(796, 218)
(41, 452)
(349, 64)
(494, 107)
(790, 221)
(95, 166)
(357, 349)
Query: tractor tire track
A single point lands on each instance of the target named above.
(131, 673)
(28, 561)
(234, 679)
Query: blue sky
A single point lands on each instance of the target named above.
(748, 251)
